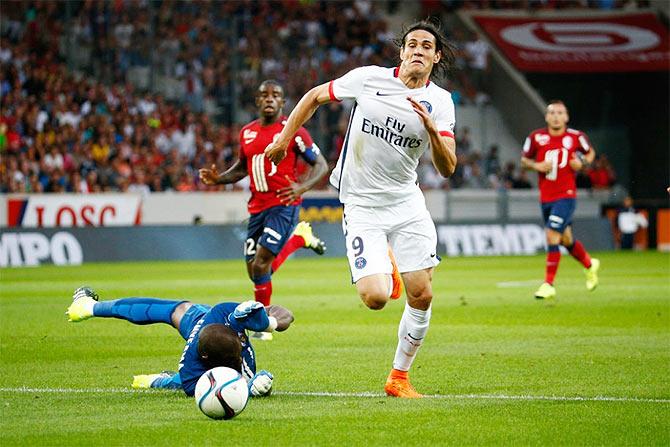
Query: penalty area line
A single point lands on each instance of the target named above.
(28, 390)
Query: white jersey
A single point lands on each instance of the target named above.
(385, 138)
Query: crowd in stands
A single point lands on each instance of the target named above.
(70, 128)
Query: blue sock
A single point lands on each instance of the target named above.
(263, 279)
(172, 382)
(137, 310)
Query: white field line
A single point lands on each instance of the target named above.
(360, 395)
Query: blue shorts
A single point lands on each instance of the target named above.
(558, 214)
(271, 229)
(191, 317)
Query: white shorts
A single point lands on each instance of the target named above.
(406, 226)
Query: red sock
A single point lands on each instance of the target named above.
(579, 253)
(294, 243)
(553, 258)
(263, 293)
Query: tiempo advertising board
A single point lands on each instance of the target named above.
(572, 44)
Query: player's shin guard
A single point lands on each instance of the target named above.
(263, 289)
(294, 243)
(411, 332)
(137, 310)
(553, 259)
(578, 252)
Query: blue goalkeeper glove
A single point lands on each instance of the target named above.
(251, 315)
(261, 384)
(245, 309)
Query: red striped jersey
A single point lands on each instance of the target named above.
(559, 183)
(266, 177)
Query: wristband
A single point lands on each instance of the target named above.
(273, 324)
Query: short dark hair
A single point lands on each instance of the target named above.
(433, 26)
(271, 82)
(219, 345)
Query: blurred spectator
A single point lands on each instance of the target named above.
(507, 175)
(473, 177)
(521, 180)
(492, 162)
(463, 140)
(629, 222)
(601, 173)
(477, 52)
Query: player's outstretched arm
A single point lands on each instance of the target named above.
(234, 174)
(301, 113)
(283, 316)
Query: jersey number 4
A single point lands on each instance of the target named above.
(558, 159)
(258, 172)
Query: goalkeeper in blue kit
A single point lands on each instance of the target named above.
(215, 335)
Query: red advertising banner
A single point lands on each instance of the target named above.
(621, 43)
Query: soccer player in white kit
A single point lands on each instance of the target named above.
(398, 113)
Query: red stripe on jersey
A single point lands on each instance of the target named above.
(446, 133)
(331, 93)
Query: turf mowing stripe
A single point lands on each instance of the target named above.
(365, 394)
(511, 284)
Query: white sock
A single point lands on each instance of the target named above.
(411, 332)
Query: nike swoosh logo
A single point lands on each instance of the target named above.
(384, 94)
(271, 241)
(432, 255)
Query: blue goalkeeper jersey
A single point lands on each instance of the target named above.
(190, 366)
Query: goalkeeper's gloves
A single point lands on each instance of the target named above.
(261, 384)
(251, 315)
(247, 308)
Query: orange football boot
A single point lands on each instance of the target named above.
(395, 276)
(397, 385)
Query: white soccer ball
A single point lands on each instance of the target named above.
(221, 393)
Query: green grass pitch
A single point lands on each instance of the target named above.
(593, 369)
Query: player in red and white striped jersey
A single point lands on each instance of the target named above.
(275, 191)
(557, 153)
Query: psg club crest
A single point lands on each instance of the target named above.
(360, 262)
(427, 105)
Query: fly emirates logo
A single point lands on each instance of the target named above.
(391, 132)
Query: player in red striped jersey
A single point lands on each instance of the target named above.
(557, 153)
(275, 191)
